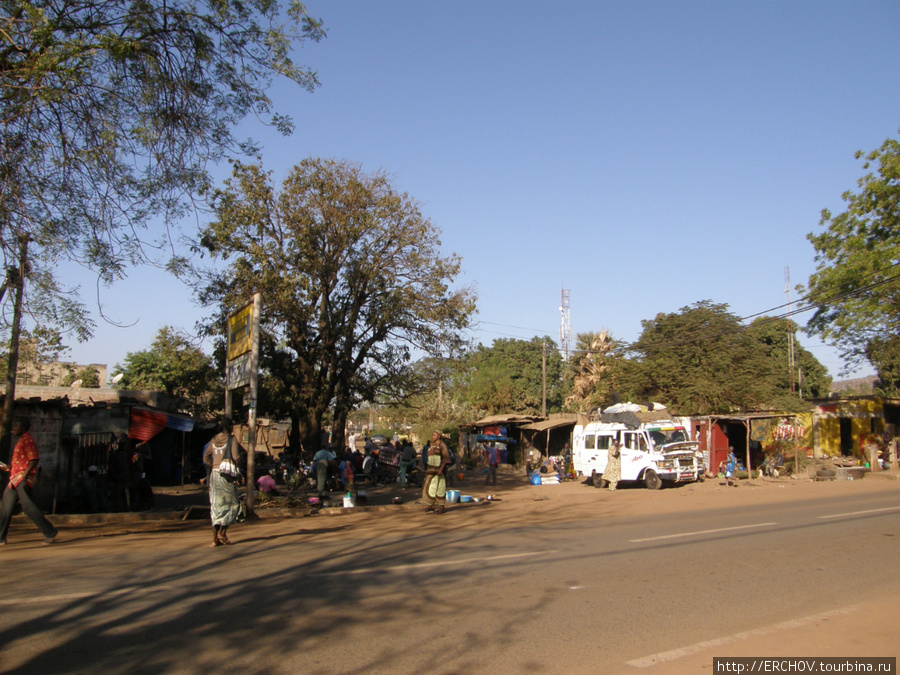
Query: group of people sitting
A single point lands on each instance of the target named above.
(355, 465)
(376, 463)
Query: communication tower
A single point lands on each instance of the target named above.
(565, 327)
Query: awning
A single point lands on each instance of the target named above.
(146, 423)
(549, 424)
(494, 420)
(493, 439)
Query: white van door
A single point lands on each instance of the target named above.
(584, 451)
(634, 454)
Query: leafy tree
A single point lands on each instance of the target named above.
(856, 285)
(430, 402)
(701, 360)
(352, 283)
(175, 366)
(811, 378)
(89, 377)
(593, 371)
(507, 377)
(111, 112)
(884, 354)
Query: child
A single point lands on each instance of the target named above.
(730, 465)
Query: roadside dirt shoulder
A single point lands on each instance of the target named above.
(515, 503)
(573, 499)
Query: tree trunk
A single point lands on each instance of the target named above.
(18, 278)
(337, 430)
(312, 441)
(294, 436)
(309, 430)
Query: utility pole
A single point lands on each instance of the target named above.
(544, 378)
(787, 290)
(15, 278)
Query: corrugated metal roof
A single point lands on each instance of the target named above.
(505, 419)
(744, 417)
(549, 424)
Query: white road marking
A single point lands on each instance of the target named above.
(438, 563)
(690, 650)
(699, 532)
(861, 513)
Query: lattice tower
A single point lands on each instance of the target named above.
(565, 327)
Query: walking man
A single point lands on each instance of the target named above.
(21, 478)
(407, 461)
(492, 456)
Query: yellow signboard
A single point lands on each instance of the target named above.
(239, 332)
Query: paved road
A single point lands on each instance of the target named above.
(477, 591)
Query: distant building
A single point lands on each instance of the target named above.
(53, 374)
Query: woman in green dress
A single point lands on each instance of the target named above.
(437, 459)
(224, 501)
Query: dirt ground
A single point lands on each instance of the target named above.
(186, 508)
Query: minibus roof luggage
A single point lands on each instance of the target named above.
(635, 419)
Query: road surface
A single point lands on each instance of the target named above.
(576, 581)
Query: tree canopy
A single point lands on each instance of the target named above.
(856, 285)
(884, 355)
(507, 377)
(811, 379)
(176, 366)
(702, 360)
(352, 280)
(87, 376)
(594, 371)
(430, 401)
(111, 113)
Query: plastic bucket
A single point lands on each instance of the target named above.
(452, 496)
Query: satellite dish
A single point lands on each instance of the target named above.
(76, 384)
(117, 378)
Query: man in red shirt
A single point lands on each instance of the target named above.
(21, 476)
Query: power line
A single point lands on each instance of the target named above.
(812, 302)
(506, 325)
(790, 313)
(808, 296)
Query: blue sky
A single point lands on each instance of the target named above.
(644, 155)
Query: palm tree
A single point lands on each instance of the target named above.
(595, 359)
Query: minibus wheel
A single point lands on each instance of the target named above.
(652, 481)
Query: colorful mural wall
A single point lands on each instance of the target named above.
(842, 428)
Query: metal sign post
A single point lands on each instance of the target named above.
(242, 366)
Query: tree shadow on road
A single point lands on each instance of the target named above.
(303, 599)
